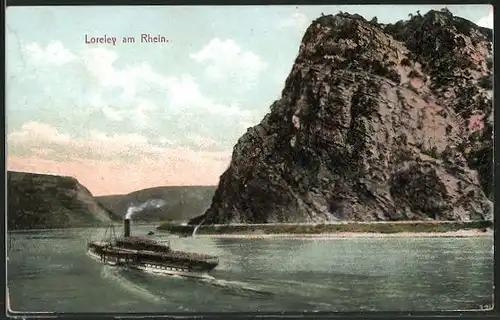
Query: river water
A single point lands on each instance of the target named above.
(50, 271)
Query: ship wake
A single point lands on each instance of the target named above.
(236, 286)
(114, 274)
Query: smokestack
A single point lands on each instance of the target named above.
(126, 227)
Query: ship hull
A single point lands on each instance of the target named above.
(154, 267)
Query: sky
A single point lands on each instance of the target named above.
(128, 116)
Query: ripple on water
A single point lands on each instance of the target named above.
(278, 274)
(114, 274)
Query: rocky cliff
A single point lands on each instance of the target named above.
(39, 201)
(376, 122)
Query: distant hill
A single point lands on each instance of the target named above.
(42, 201)
(180, 203)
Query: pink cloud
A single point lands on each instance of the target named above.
(115, 177)
(112, 164)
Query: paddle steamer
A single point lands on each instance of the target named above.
(149, 255)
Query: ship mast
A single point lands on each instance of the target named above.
(112, 234)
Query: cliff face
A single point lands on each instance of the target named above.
(38, 201)
(376, 122)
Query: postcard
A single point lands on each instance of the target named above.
(294, 158)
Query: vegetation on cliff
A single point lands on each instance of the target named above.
(179, 203)
(41, 201)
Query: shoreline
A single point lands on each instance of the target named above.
(339, 235)
(346, 229)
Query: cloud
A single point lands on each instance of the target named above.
(178, 93)
(36, 132)
(298, 21)
(164, 141)
(133, 81)
(486, 21)
(35, 138)
(226, 61)
(101, 75)
(184, 93)
(113, 163)
(100, 63)
(201, 141)
(97, 144)
(115, 115)
(53, 53)
(103, 177)
(112, 113)
(117, 141)
(142, 110)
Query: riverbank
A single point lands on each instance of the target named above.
(451, 234)
(406, 228)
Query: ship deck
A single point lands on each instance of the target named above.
(172, 254)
